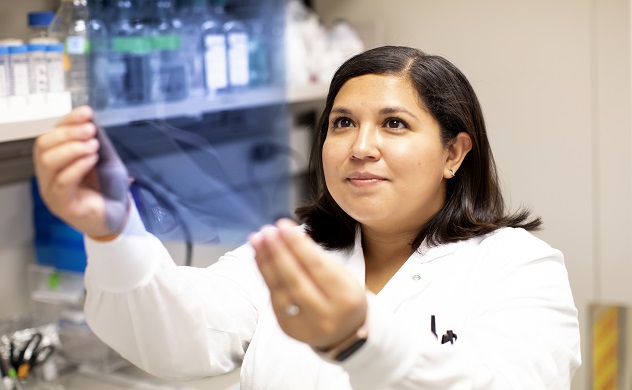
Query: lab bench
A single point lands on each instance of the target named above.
(80, 360)
(132, 377)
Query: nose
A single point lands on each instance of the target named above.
(366, 143)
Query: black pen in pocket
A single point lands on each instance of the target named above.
(449, 336)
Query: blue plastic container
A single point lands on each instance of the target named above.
(56, 244)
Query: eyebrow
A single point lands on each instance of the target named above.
(340, 110)
(383, 111)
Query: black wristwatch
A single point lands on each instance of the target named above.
(343, 350)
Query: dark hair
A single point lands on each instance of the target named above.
(474, 202)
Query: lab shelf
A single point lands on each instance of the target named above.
(15, 131)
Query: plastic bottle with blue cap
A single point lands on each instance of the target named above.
(55, 59)
(39, 23)
(4, 83)
(38, 68)
(4, 72)
(18, 70)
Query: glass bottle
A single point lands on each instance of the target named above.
(169, 76)
(101, 9)
(84, 55)
(98, 83)
(215, 53)
(258, 54)
(70, 26)
(238, 52)
(129, 63)
(193, 16)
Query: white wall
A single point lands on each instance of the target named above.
(13, 16)
(533, 66)
(613, 144)
(16, 248)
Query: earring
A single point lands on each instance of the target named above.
(452, 173)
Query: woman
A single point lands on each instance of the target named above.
(411, 274)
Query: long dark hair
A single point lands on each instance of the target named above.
(474, 202)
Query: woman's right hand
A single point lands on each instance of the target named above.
(65, 162)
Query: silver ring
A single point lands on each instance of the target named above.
(292, 310)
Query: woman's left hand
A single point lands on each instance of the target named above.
(316, 300)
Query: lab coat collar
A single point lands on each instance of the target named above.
(424, 254)
(411, 279)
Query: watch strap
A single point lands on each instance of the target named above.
(344, 349)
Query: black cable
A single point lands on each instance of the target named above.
(162, 201)
(268, 150)
(261, 152)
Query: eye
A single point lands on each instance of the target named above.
(395, 123)
(341, 122)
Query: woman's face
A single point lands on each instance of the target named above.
(383, 159)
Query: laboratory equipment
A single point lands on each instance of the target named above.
(208, 153)
(215, 53)
(169, 78)
(193, 16)
(84, 39)
(38, 23)
(19, 70)
(55, 67)
(4, 71)
(38, 68)
(237, 51)
(258, 55)
(129, 67)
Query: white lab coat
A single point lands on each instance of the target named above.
(505, 295)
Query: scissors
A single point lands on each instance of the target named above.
(30, 356)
